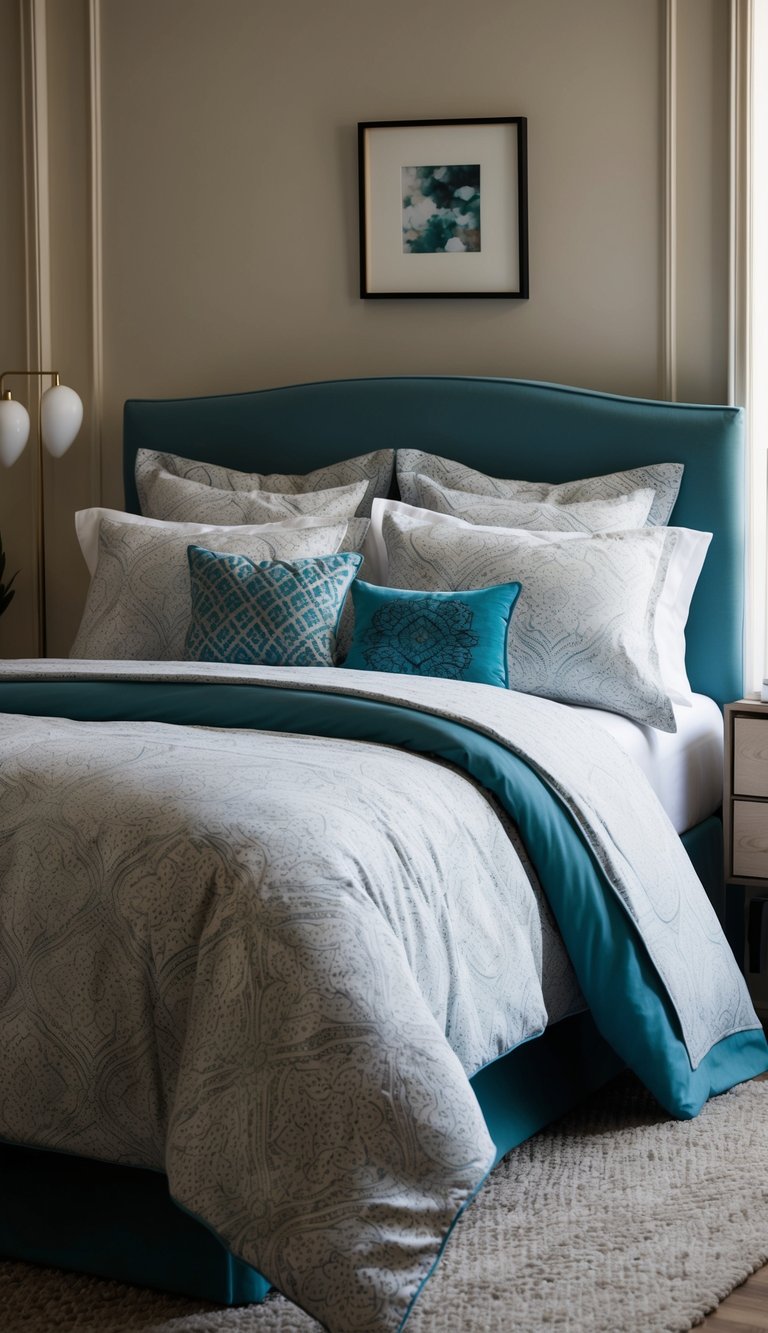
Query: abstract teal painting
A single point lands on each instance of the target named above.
(423, 232)
(441, 209)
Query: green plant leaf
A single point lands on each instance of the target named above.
(7, 591)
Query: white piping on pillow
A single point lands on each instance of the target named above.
(88, 522)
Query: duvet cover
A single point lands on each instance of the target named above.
(258, 927)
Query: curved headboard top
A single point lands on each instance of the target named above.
(508, 428)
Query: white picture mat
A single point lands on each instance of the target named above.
(495, 267)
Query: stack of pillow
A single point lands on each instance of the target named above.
(605, 585)
(224, 565)
(578, 592)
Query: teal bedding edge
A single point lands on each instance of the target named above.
(604, 947)
(555, 1071)
(607, 953)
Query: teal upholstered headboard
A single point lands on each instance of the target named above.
(508, 428)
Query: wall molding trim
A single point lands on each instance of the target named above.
(740, 186)
(37, 237)
(62, 186)
(668, 341)
(37, 248)
(96, 249)
(740, 324)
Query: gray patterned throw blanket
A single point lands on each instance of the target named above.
(267, 963)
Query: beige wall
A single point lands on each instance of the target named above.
(17, 625)
(229, 200)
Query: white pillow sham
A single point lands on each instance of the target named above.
(577, 634)
(139, 603)
(663, 478)
(88, 524)
(375, 469)
(613, 515)
(181, 500)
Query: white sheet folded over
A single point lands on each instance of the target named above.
(684, 768)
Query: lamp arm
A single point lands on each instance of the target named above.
(7, 393)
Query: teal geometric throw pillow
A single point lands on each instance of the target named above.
(458, 635)
(272, 612)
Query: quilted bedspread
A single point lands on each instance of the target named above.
(267, 963)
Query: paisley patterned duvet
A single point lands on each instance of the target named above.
(267, 963)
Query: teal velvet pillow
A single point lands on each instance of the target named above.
(270, 612)
(459, 635)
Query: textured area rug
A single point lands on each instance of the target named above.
(615, 1218)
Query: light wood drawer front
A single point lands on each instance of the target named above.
(750, 839)
(750, 756)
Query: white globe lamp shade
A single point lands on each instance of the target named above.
(14, 430)
(61, 415)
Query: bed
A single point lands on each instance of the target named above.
(503, 758)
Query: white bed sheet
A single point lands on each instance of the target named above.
(684, 768)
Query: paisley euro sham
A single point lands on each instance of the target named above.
(139, 602)
(186, 501)
(662, 478)
(592, 612)
(375, 469)
(623, 511)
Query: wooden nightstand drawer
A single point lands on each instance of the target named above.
(750, 839)
(750, 756)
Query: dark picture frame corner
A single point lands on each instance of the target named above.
(443, 208)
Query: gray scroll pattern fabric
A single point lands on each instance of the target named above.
(139, 600)
(266, 964)
(375, 469)
(662, 478)
(614, 515)
(184, 501)
(609, 798)
(583, 627)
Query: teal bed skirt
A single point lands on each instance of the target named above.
(121, 1222)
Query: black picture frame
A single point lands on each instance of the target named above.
(415, 240)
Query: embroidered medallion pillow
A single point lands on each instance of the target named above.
(270, 612)
(457, 635)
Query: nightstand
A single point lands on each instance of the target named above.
(745, 793)
(745, 834)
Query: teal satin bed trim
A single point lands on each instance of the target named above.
(607, 953)
(121, 1222)
(118, 1222)
(542, 1079)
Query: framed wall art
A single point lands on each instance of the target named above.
(443, 208)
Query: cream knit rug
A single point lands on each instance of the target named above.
(615, 1219)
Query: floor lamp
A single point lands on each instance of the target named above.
(61, 413)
